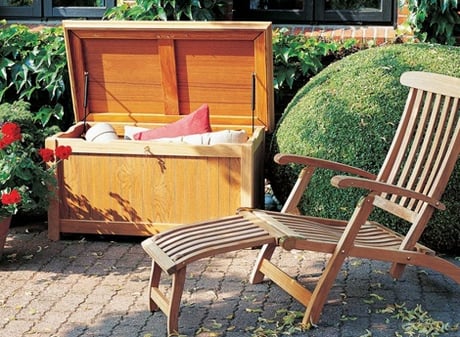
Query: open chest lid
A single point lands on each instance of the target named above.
(152, 73)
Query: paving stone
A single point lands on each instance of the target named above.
(16, 327)
(99, 287)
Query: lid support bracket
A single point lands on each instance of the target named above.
(253, 99)
(85, 99)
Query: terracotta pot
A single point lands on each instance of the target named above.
(4, 227)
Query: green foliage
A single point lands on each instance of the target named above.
(297, 57)
(164, 10)
(348, 113)
(33, 67)
(435, 21)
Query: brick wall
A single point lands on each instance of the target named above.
(377, 34)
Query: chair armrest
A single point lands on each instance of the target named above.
(284, 159)
(310, 165)
(381, 187)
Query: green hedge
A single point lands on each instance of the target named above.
(348, 113)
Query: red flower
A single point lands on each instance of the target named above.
(63, 151)
(46, 154)
(12, 197)
(11, 133)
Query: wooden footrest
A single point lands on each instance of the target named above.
(177, 247)
(171, 251)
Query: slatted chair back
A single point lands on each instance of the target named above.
(425, 147)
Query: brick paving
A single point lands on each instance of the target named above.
(97, 286)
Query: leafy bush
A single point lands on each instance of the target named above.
(434, 20)
(33, 67)
(348, 113)
(296, 58)
(164, 10)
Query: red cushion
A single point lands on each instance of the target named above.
(196, 122)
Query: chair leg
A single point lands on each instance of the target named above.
(397, 270)
(409, 242)
(153, 284)
(266, 253)
(157, 300)
(322, 289)
(329, 275)
(178, 280)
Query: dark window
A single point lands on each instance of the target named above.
(274, 10)
(44, 9)
(317, 11)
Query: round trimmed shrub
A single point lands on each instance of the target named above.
(349, 113)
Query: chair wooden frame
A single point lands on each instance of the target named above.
(409, 185)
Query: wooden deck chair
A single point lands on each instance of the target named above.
(409, 185)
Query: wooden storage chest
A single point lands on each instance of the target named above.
(149, 74)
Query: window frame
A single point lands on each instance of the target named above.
(82, 12)
(315, 12)
(34, 11)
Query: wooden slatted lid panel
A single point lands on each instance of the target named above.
(152, 73)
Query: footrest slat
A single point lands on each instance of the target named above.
(172, 250)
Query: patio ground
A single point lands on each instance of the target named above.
(96, 286)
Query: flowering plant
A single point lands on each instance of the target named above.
(26, 173)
